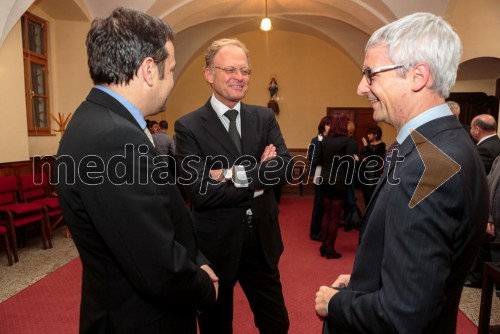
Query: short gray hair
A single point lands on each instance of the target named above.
(218, 44)
(422, 38)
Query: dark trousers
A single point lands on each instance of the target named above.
(317, 214)
(262, 287)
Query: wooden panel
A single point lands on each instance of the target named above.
(473, 104)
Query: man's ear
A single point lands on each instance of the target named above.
(147, 70)
(209, 75)
(420, 77)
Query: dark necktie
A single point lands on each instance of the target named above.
(233, 131)
(388, 154)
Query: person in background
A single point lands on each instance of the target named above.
(233, 155)
(455, 109)
(371, 161)
(483, 129)
(315, 171)
(337, 161)
(164, 144)
(142, 271)
(153, 127)
(413, 255)
(350, 207)
(484, 132)
(493, 227)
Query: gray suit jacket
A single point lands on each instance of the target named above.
(411, 263)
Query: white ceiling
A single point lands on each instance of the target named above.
(346, 24)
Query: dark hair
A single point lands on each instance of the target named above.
(324, 122)
(338, 125)
(164, 124)
(376, 130)
(118, 44)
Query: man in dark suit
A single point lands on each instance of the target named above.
(424, 223)
(142, 271)
(483, 128)
(232, 155)
(484, 131)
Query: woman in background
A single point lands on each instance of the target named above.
(337, 160)
(315, 171)
(371, 159)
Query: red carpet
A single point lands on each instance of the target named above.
(52, 304)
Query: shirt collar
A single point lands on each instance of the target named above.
(484, 138)
(133, 110)
(220, 108)
(439, 111)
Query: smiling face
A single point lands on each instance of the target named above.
(387, 90)
(228, 88)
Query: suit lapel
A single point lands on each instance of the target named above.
(213, 125)
(248, 129)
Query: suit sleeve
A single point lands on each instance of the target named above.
(143, 223)
(205, 193)
(276, 171)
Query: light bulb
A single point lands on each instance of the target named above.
(265, 24)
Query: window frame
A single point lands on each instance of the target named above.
(41, 59)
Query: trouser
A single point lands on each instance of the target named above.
(262, 287)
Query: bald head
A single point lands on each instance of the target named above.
(483, 125)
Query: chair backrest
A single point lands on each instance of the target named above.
(33, 186)
(8, 190)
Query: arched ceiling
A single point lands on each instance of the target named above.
(345, 24)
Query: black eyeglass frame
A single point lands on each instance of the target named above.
(369, 73)
(232, 70)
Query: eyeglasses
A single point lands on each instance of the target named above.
(369, 73)
(232, 70)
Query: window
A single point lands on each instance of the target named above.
(34, 31)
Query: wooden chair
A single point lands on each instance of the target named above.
(3, 231)
(16, 215)
(34, 188)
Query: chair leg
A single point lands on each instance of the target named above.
(48, 232)
(57, 222)
(43, 229)
(7, 249)
(13, 240)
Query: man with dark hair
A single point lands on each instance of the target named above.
(142, 271)
(483, 128)
(164, 144)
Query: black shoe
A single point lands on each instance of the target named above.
(322, 250)
(472, 284)
(333, 255)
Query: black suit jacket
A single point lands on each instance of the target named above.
(132, 229)
(202, 144)
(489, 150)
(411, 263)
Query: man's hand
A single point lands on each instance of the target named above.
(342, 280)
(213, 277)
(269, 153)
(323, 296)
(217, 175)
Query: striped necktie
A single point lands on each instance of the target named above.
(148, 134)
